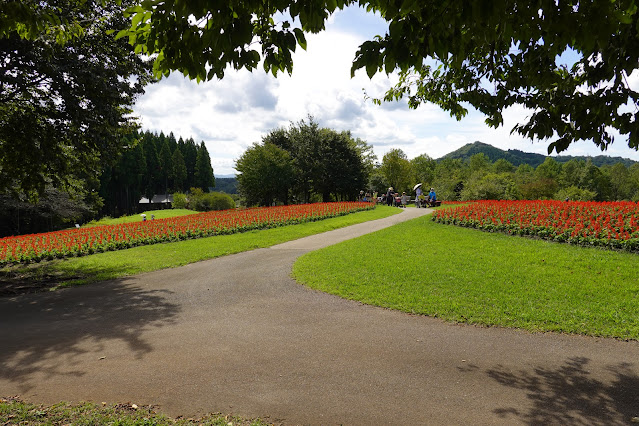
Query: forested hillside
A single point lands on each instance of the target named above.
(226, 185)
(480, 178)
(517, 157)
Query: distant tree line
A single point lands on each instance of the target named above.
(228, 185)
(479, 178)
(154, 164)
(306, 163)
(54, 209)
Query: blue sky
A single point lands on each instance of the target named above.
(231, 114)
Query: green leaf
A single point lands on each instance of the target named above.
(254, 56)
(137, 18)
(371, 69)
(301, 39)
(407, 6)
(389, 64)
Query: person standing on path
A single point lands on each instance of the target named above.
(404, 199)
(390, 196)
(418, 194)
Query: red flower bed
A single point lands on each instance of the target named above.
(611, 224)
(77, 242)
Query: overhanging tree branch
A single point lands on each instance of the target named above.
(513, 44)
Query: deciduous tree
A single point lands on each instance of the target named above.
(343, 172)
(65, 97)
(266, 174)
(328, 165)
(423, 169)
(397, 170)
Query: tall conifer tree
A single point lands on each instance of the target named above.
(204, 177)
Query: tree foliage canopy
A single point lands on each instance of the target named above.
(65, 102)
(303, 163)
(487, 54)
(33, 19)
(397, 170)
(265, 174)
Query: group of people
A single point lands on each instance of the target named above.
(365, 196)
(422, 200)
(393, 198)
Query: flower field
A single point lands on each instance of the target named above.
(82, 241)
(609, 224)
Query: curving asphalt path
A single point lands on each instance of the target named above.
(238, 335)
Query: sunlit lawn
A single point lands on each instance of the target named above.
(465, 275)
(159, 214)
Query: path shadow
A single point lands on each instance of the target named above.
(49, 334)
(568, 395)
(16, 280)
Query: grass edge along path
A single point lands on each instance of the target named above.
(469, 276)
(14, 411)
(116, 264)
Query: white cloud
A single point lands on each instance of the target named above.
(231, 114)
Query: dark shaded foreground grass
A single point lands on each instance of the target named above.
(13, 411)
(46, 275)
(469, 276)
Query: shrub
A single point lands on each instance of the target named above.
(574, 193)
(204, 202)
(180, 201)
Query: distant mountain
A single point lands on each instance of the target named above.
(517, 157)
(225, 184)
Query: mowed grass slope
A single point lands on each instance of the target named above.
(159, 214)
(115, 264)
(468, 276)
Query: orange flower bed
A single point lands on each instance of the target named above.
(82, 241)
(611, 224)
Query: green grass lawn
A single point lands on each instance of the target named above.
(159, 214)
(115, 264)
(468, 276)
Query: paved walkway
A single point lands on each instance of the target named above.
(238, 335)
